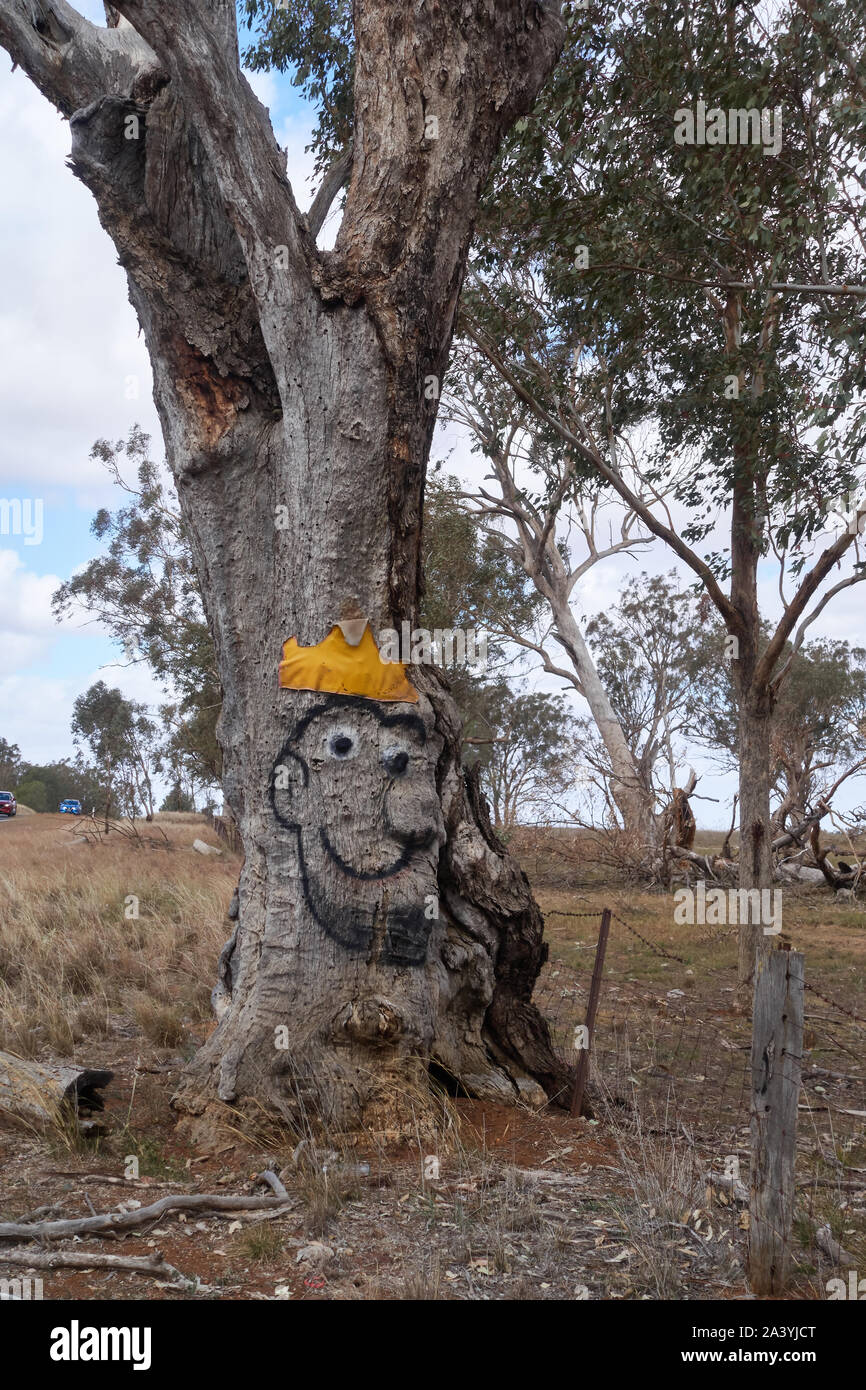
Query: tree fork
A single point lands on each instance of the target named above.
(291, 381)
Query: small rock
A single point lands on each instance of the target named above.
(316, 1254)
(202, 848)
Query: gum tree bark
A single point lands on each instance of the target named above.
(382, 929)
(752, 678)
(537, 551)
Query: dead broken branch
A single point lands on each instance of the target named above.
(825, 1241)
(723, 1183)
(154, 1264)
(274, 1182)
(118, 1221)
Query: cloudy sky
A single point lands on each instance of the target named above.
(74, 370)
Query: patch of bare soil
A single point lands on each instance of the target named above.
(514, 1205)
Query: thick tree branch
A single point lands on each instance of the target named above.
(813, 580)
(425, 134)
(155, 1264)
(118, 1221)
(71, 61)
(616, 481)
(335, 179)
(197, 45)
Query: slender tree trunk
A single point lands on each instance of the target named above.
(755, 856)
(632, 797)
(629, 789)
(108, 797)
(382, 927)
(754, 698)
(755, 708)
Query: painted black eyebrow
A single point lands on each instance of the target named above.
(404, 721)
(400, 720)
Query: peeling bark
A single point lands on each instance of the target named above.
(290, 384)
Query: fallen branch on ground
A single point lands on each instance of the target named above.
(725, 1184)
(834, 1183)
(154, 1264)
(825, 1241)
(127, 1220)
(274, 1182)
(111, 1179)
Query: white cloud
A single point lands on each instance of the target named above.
(68, 335)
(27, 627)
(37, 712)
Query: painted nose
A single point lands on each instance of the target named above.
(396, 761)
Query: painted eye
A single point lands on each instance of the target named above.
(396, 761)
(342, 744)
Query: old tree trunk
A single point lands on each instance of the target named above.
(382, 929)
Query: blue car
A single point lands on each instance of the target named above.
(70, 808)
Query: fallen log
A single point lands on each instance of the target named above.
(202, 847)
(704, 860)
(155, 1264)
(804, 873)
(43, 1090)
(118, 1221)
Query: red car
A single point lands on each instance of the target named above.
(8, 804)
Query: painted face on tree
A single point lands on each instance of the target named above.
(355, 782)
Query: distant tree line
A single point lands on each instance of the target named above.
(42, 786)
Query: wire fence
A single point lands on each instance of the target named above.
(684, 1064)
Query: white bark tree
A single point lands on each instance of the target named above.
(758, 670)
(382, 927)
(537, 509)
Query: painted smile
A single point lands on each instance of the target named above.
(412, 844)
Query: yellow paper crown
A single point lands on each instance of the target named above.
(341, 668)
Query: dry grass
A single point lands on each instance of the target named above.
(263, 1242)
(630, 1217)
(665, 1215)
(75, 962)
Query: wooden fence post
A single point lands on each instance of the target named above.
(777, 1049)
(581, 1074)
